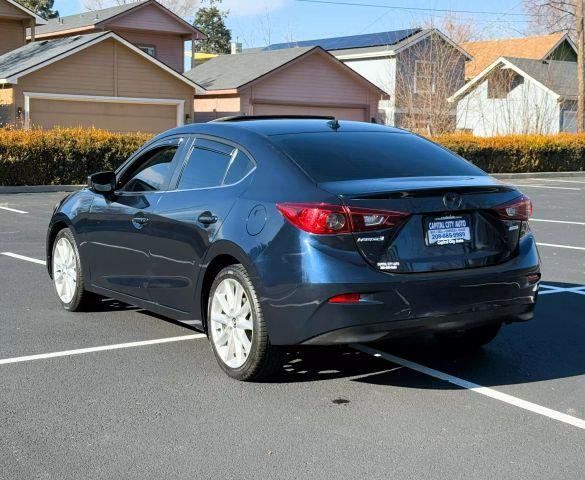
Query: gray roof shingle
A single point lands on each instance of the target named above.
(36, 53)
(560, 77)
(233, 71)
(85, 19)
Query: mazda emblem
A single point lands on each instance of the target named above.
(452, 200)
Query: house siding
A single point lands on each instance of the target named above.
(107, 69)
(12, 35)
(382, 73)
(148, 17)
(449, 77)
(210, 107)
(527, 108)
(169, 48)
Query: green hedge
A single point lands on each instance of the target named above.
(67, 156)
(61, 156)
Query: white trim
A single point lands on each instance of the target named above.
(561, 40)
(502, 60)
(99, 39)
(39, 20)
(179, 103)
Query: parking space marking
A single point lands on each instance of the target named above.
(13, 210)
(553, 289)
(545, 186)
(80, 351)
(556, 221)
(559, 246)
(561, 181)
(22, 257)
(474, 387)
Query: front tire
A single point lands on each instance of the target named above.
(236, 327)
(470, 339)
(67, 274)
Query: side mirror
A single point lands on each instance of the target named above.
(102, 182)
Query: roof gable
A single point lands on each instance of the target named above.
(37, 55)
(121, 16)
(223, 73)
(557, 78)
(13, 9)
(486, 52)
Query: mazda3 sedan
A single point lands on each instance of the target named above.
(267, 232)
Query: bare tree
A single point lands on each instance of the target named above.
(427, 74)
(183, 8)
(551, 16)
(457, 29)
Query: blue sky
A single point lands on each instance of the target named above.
(255, 22)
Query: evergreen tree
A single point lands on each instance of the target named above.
(43, 8)
(211, 21)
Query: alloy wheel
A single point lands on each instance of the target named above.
(65, 270)
(231, 322)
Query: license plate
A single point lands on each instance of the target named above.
(447, 230)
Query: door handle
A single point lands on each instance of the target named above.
(140, 221)
(207, 218)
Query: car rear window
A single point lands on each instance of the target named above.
(339, 156)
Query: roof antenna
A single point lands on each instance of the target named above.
(333, 124)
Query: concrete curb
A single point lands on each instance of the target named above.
(40, 189)
(538, 175)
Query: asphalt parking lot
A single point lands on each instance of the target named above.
(121, 393)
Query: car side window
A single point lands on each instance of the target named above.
(213, 164)
(239, 167)
(150, 172)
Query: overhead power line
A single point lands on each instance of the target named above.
(443, 10)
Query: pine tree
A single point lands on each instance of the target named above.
(211, 21)
(43, 8)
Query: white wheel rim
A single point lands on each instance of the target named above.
(64, 270)
(231, 323)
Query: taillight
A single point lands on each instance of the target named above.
(345, 298)
(323, 218)
(518, 209)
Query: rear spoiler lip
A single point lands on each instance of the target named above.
(380, 186)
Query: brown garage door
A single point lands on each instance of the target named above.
(116, 117)
(340, 113)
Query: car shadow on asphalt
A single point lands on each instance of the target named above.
(549, 347)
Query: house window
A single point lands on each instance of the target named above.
(424, 76)
(150, 49)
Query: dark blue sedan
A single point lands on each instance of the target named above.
(266, 232)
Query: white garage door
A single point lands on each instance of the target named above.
(341, 113)
(116, 117)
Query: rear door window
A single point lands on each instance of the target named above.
(213, 164)
(339, 156)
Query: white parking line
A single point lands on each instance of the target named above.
(22, 257)
(580, 290)
(13, 210)
(545, 186)
(559, 246)
(556, 221)
(80, 351)
(474, 387)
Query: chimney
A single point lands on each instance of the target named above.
(236, 47)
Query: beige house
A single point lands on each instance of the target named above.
(14, 21)
(293, 81)
(97, 80)
(147, 24)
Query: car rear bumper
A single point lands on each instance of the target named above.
(401, 304)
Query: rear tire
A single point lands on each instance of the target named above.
(236, 327)
(470, 339)
(68, 275)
